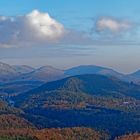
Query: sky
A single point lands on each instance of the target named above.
(68, 33)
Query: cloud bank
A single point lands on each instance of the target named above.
(40, 29)
(35, 27)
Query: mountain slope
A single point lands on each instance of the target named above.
(92, 85)
(14, 88)
(10, 121)
(85, 100)
(7, 109)
(80, 91)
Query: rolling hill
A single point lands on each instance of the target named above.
(85, 100)
(91, 85)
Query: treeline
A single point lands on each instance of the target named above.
(15, 138)
(8, 121)
(135, 136)
(53, 134)
(6, 109)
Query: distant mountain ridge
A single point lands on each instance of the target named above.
(23, 68)
(92, 69)
(45, 73)
(10, 73)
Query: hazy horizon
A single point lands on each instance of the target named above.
(65, 67)
(66, 34)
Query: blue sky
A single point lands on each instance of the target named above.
(100, 32)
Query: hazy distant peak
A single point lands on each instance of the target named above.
(92, 69)
(4, 64)
(23, 68)
(48, 69)
(6, 69)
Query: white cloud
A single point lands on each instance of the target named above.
(35, 27)
(44, 25)
(113, 25)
